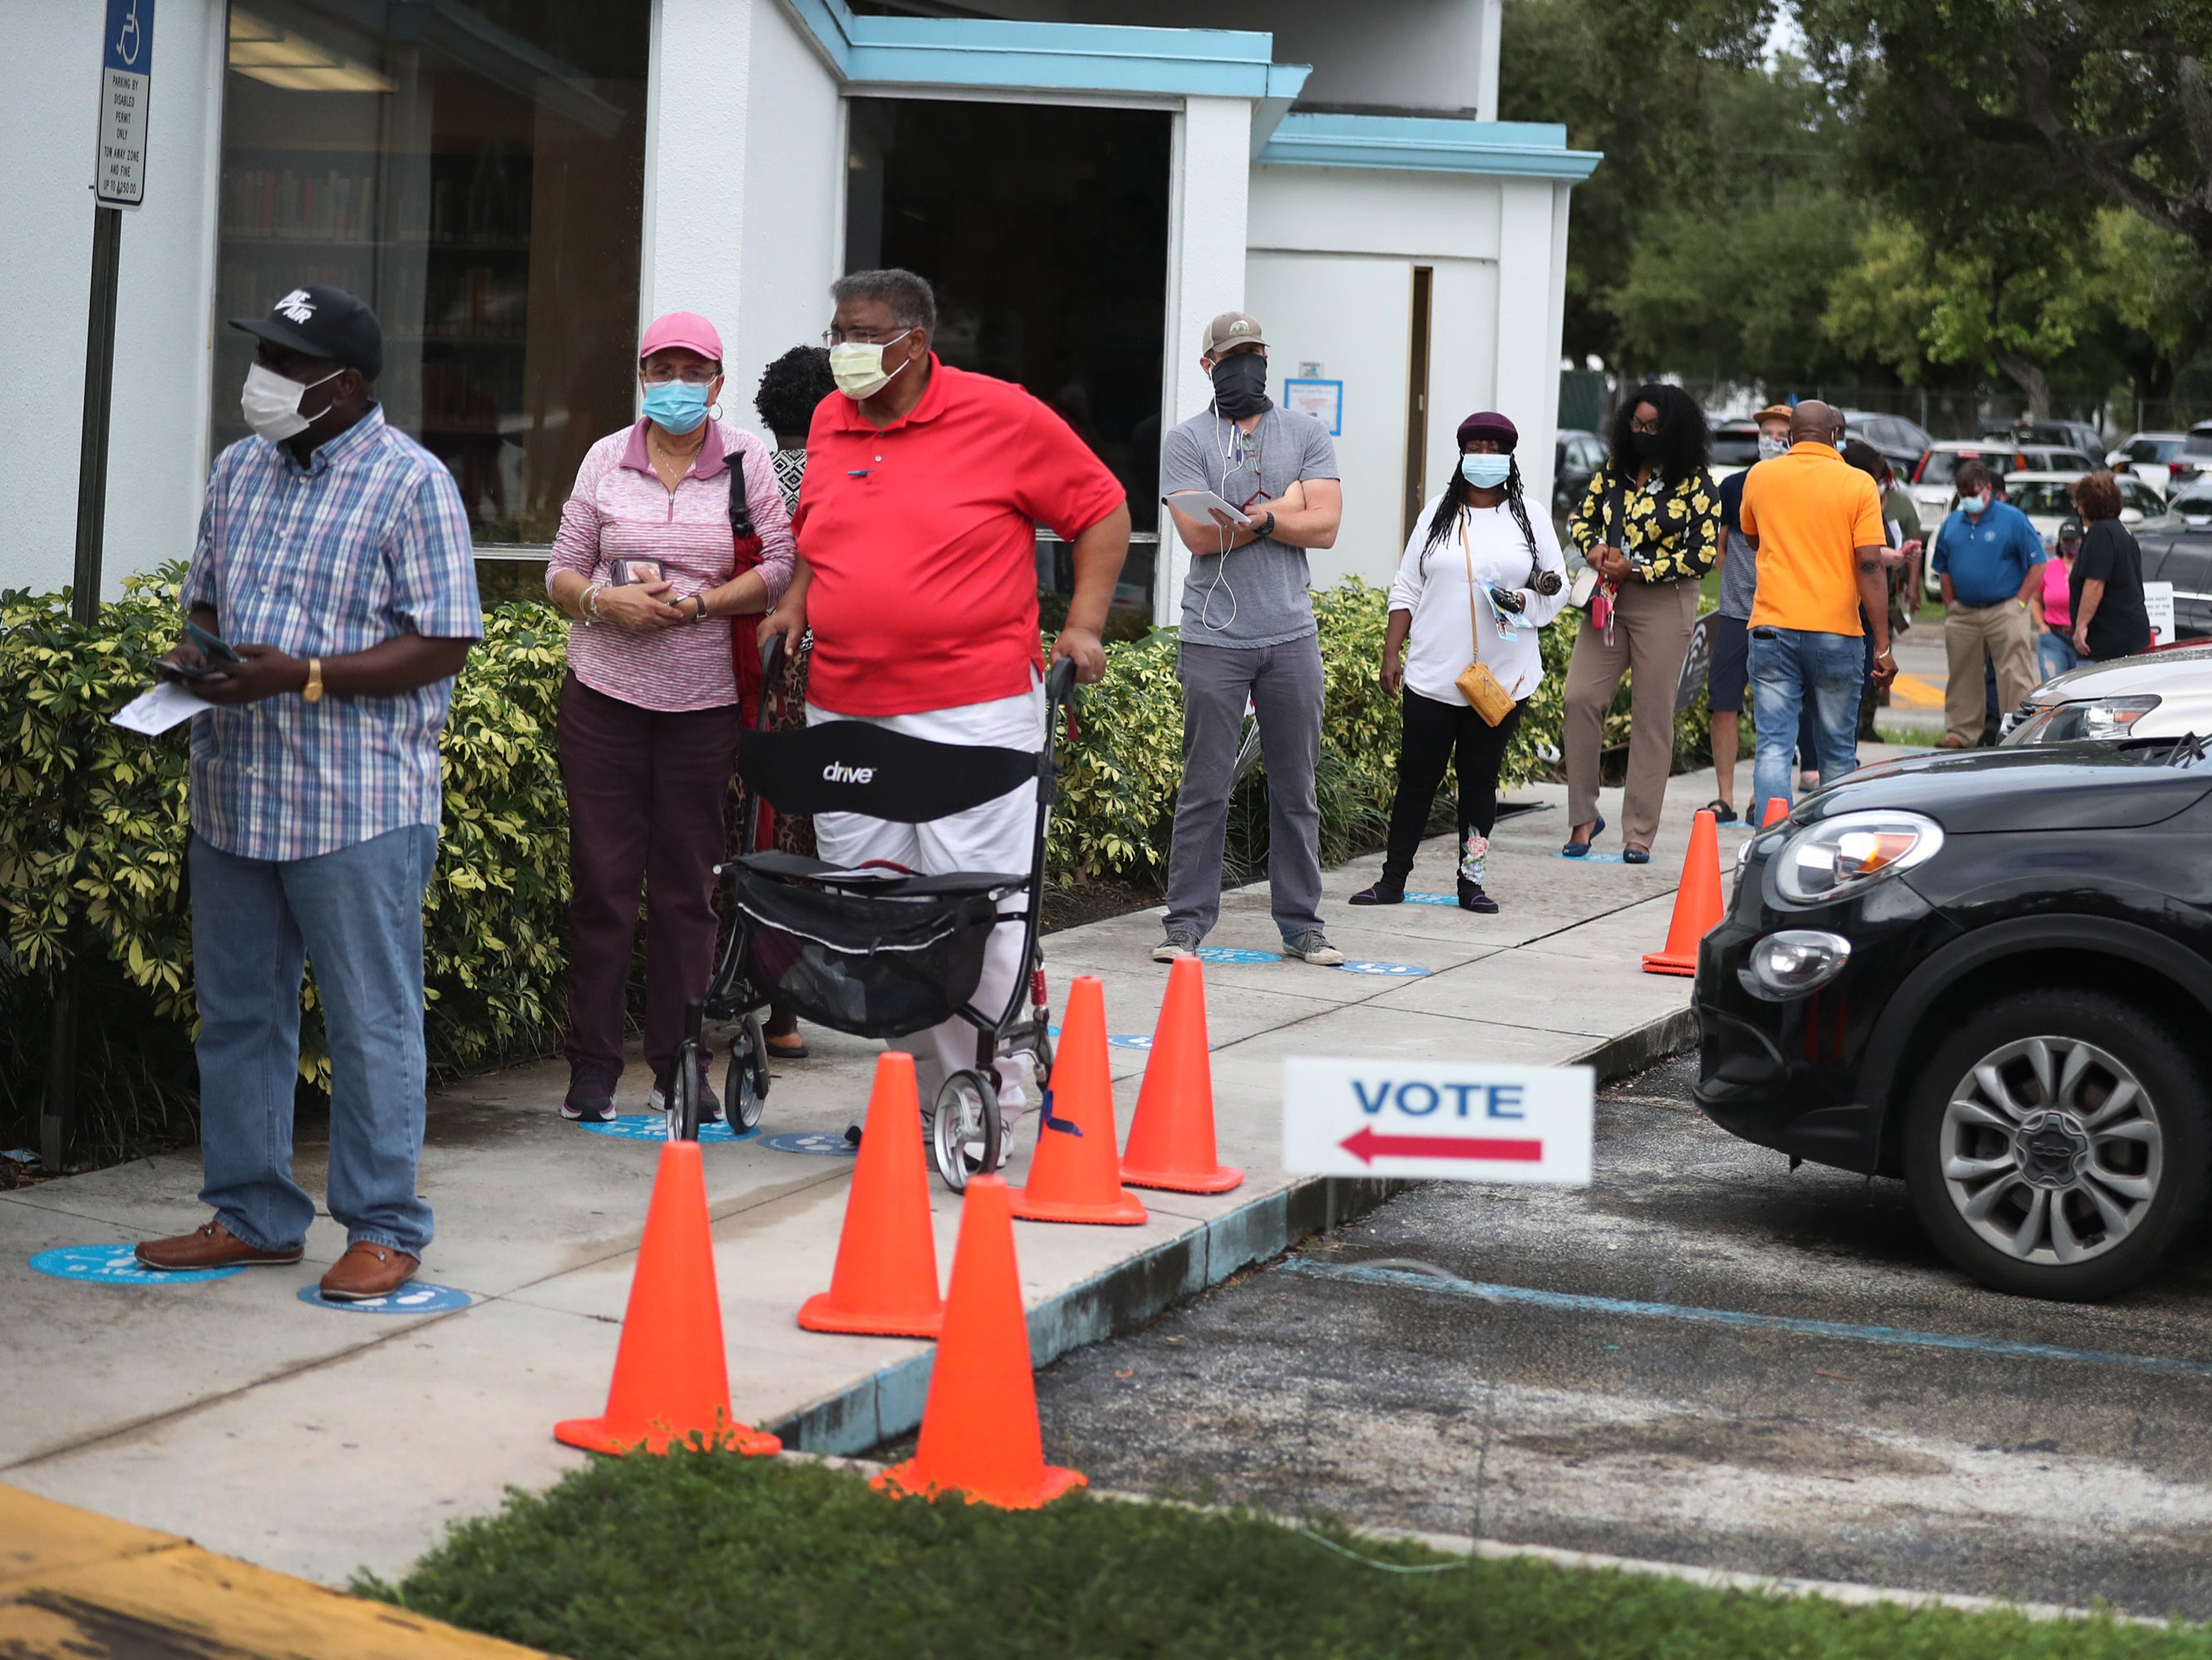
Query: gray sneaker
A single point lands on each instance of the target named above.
(1180, 942)
(1313, 947)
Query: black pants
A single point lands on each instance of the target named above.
(1431, 733)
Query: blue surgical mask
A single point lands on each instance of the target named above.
(1975, 506)
(1485, 472)
(676, 406)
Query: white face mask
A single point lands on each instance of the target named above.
(858, 365)
(270, 403)
(1771, 447)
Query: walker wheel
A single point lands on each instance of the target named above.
(683, 1094)
(745, 1087)
(965, 1127)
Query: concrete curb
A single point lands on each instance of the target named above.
(889, 1402)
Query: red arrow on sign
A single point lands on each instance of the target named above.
(1367, 1146)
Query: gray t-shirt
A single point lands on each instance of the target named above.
(1740, 570)
(1260, 597)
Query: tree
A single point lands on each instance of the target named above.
(1969, 105)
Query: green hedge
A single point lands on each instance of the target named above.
(93, 833)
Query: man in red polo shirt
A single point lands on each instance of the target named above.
(917, 572)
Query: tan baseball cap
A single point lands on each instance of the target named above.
(1231, 328)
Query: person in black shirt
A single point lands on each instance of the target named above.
(2106, 591)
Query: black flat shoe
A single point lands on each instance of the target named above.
(1380, 894)
(1723, 813)
(1581, 849)
(1472, 897)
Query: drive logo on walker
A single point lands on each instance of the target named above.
(838, 773)
(1453, 1120)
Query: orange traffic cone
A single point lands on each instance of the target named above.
(1171, 1133)
(980, 1436)
(1778, 809)
(885, 1281)
(672, 1382)
(1698, 906)
(1075, 1175)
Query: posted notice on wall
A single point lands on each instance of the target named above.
(126, 85)
(2158, 604)
(1431, 1120)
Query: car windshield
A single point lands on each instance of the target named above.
(2154, 449)
(2199, 441)
(1734, 447)
(1943, 465)
(2059, 460)
(2041, 495)
(2191, 508)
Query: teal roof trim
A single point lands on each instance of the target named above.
(960, 52)
(1427, 145)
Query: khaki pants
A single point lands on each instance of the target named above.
(1651, 625)
(2000, 632)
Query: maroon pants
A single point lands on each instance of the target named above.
(646, 790)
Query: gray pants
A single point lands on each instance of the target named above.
(1285, 684)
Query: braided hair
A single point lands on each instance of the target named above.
(1457, 497)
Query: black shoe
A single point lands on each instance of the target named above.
(710, 1104)
(1472, 897)
(1382, 893)
(591, 1099)
(1723, 813)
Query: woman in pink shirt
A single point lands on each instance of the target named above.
(645, 562)
(2054, 645)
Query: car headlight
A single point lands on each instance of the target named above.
(1840, 855)
(1795, 961)
(2096, 718)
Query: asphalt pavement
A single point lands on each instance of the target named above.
(1703, 1358)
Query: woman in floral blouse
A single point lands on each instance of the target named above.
(1649, 527)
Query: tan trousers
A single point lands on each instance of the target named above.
(1651, 626)
(2001, 632)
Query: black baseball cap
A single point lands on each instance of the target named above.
(2069, 529)
(323, 322)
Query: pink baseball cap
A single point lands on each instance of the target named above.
(684, 328)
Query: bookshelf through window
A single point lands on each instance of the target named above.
(476, 173)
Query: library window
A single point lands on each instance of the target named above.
(475, 172)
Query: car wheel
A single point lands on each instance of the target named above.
(2057, 1147)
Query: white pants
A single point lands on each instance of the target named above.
(995, 836)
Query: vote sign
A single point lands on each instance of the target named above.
(1449, 1120)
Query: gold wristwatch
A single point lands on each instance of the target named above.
(313, 691)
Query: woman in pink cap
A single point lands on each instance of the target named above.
(675, 527)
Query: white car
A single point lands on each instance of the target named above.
(1935, 480)
(2043, 497)
(2155, 458)
(2160, 694)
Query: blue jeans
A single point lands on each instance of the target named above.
(256, 922)
(1790, 668)
(2054, 654)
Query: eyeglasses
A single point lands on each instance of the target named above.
(863, 337)
(691, 375)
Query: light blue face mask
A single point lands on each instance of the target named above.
(676, 406)
(1485, 472)
(1975, 504)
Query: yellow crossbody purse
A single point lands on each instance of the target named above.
(1476, 682)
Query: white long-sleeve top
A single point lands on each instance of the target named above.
(1434, 590)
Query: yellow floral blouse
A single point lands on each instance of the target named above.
(1667, 531)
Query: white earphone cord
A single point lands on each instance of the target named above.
(1225, 446)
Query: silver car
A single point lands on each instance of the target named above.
(2161, 693)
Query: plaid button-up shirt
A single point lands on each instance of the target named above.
(368, 540)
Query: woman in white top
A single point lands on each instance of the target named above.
(1477, 565)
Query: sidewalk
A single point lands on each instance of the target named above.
(317, 1442)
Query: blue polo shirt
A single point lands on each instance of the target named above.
(1988, 558)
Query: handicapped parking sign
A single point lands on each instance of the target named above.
(1450, 1121)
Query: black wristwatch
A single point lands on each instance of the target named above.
(1265, 529)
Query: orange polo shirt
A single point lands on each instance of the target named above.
(922, 540)
(1810, 510)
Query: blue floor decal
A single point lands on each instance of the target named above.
(654, 1127)
(114, 1265)
(822, 1144)
(1396, 970)
(1232, 954)
(1450, 899)
(413, 1298)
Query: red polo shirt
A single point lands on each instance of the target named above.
(922, 540)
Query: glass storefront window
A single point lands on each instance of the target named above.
(474, 169)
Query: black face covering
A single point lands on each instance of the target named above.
(1240, 384)
(1644, 446)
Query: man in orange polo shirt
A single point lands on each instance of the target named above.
(917, 572)
(1816, 523)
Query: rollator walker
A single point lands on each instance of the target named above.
(879, 950)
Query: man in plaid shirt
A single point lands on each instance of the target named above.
(335, 553)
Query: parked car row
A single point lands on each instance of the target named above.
(2045, 498)
(2166, 461)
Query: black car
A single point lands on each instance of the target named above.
(1989, 974)
(1575, 462)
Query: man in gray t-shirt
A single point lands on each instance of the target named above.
(1247, 633)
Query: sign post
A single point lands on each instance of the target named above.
(1457, 1121)
(119, 181)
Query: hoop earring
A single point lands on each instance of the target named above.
(714, 409)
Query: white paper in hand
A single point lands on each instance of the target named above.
(158, 710)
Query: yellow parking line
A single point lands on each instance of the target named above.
(1916, 693)
(74, 1583)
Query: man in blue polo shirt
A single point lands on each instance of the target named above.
(1986, 556)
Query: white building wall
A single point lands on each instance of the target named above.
(49, 106)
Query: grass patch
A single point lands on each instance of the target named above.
(707, 1554)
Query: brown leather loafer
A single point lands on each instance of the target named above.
(213, 1246)
(367, 1271)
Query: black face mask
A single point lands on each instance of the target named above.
(1644, 446)
(1240, 384)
